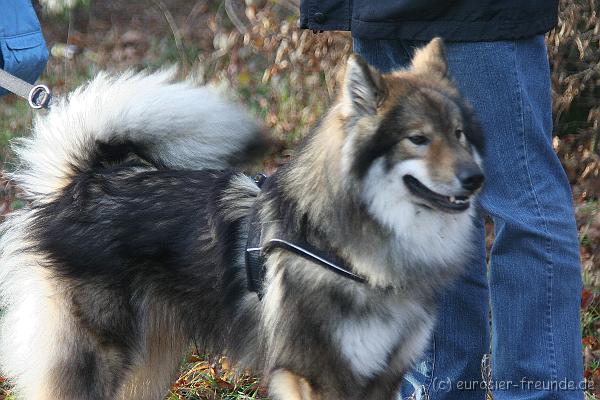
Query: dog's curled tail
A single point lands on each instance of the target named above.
(171, 125)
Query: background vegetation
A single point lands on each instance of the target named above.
(287, 78)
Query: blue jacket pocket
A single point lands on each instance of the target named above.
(24, 55)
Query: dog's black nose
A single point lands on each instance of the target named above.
(471, 178)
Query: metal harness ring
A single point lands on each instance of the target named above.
(40, 92)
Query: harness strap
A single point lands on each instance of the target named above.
(256, 251)
(255, 266)
(38, 96)
(315, 255)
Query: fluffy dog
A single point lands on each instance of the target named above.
(133, 241)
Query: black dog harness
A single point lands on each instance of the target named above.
(256, 252)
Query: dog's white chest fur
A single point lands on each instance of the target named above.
(367, 342)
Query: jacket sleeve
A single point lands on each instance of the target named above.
(454, 20)
(23, 50)
(325, 15)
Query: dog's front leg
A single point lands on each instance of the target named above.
(285, 385)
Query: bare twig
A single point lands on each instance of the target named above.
(176, 34)
(486, 375)
(239, 25)
(196, 10)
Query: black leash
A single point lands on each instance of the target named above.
(256, 252)
(38, 96)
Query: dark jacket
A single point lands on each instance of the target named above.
(453, 20)
(22, 47)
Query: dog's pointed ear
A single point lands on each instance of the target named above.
(431, 59)
(363, 89)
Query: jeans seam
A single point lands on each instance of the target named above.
(548, 245)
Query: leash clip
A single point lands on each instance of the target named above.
(39, 97)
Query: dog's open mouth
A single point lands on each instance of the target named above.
(436, 200)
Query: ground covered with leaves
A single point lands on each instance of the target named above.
(288, 77)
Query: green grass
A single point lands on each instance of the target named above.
(15, 120)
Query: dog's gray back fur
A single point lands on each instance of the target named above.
(128, 252)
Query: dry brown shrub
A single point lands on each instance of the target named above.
(575, 60)
(288, 74)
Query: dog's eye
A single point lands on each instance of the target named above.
(419, 139)
(458, 133)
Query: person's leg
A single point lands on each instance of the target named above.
(535, 278)
(461, 336)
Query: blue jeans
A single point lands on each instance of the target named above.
(534, 281)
